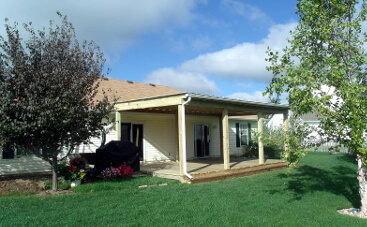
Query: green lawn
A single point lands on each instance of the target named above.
(306, 196)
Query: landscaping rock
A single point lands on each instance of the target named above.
(355, 212)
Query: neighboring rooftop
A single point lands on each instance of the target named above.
(126, 90)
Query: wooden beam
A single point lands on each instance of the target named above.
(225, 139)
(118, 125)
(260, 130)
(150, 103)
(248, 108)
(286, 127)
(180, 141)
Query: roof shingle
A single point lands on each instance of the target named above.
(128, 90)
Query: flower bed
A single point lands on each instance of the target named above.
(122, 171)
(74, 170)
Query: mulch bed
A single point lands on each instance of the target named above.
(29, 183)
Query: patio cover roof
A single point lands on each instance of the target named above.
(182, 104)
(200, 104)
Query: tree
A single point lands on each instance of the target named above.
(324, 71)
(48, 85)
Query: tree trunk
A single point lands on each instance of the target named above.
(54, 173)
(362, 184)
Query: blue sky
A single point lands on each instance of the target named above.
(213, 47)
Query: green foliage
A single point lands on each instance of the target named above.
(48, 85)
(274, 140)
(252, 149)
(323, 69)
(295, 139)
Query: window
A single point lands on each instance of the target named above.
(243, 134)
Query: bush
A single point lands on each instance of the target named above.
(271, 150)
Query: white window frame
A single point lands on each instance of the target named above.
(244, 131)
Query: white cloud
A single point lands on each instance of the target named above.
(181, 80)
(183, 44)
(201, 43)
(113, 24)
(246, 60)
(250, 12)
(254, 96)
(243, 85)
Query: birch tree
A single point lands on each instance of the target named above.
(324, 71)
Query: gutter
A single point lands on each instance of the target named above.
(184, 138)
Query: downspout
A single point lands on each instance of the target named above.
(184, 138)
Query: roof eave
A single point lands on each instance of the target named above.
(150, 98)
(237, 101)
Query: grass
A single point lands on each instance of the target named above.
(62, 185)
(306, 196)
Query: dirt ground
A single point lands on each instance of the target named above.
(27, 184)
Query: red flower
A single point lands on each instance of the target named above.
(126, 171)
(74, 168)
(79, 162)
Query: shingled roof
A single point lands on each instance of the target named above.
(126, 90)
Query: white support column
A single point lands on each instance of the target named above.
(225, 139)
(118, 125)
(180, 140)
(260, 122)
(286, 127)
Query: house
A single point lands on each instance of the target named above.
(167, 124)
(171, 125)
(312, 120)
(323, 145)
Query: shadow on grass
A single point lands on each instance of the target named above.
(347, 158)
(307, 179)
